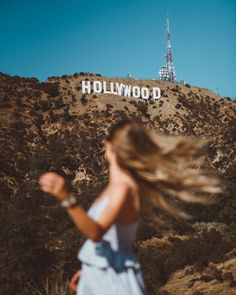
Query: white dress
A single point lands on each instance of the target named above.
(109, 267)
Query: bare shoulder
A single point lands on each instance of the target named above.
(119, 188)
(119, 191)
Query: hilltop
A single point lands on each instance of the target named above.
(53, 125)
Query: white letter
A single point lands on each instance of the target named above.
(127, 90)
(145, 93)
(112, 89)
(119, 88)
(137, 90)
(84, 87)
(156, 92)
(97, 87)
(106, 91)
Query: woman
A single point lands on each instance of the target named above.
(143, 166)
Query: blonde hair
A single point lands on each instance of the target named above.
(163, 166)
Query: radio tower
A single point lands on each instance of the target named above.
(167, 72)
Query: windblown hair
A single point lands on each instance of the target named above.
(163, 166)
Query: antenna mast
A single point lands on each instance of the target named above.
(167, 72)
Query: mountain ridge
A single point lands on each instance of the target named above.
(52, 125)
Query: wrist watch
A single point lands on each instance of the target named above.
(69, 202)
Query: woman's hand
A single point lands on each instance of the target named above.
(53, 183)
(75, 280)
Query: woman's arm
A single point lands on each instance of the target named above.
(94, 230)
(54, 184)
(90, 228)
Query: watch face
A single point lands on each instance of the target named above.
(71, 201)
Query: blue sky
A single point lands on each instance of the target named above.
(116, 37)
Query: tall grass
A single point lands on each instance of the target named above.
(56, 286)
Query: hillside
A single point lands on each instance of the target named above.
(53, 126)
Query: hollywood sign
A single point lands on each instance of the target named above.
(120, 89)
